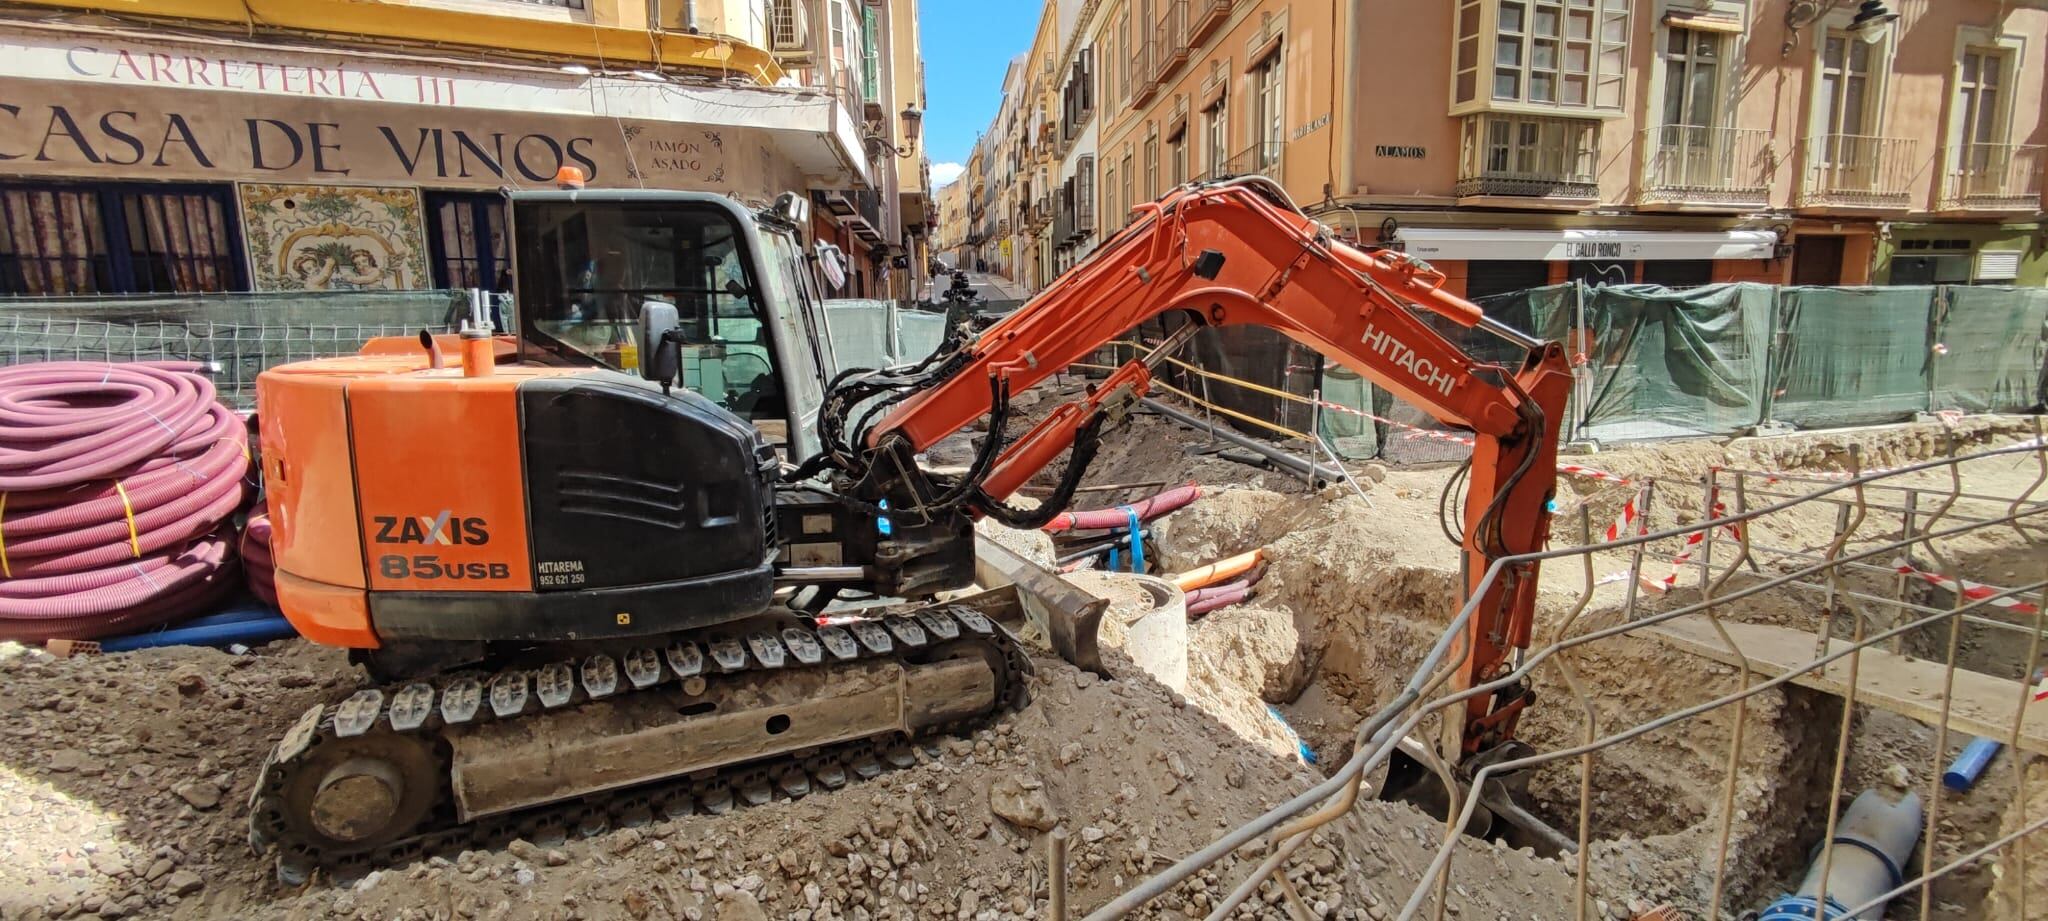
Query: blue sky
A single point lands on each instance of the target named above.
(967, 45)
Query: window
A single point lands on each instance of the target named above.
(1980, 97)
(466, 237)
(1109, 188)
(1692, 77)
(587, 268)
(838, 18)
(1269, 121)
(870, 58)
(1528, 155)
(1178, 149)
(62, 239)
(1847, 94)
(1564, 53)
(1129, 197)
(1123, 61)
(1084, 194)
(1152, 168)
(1216, 136)
(1678, 273)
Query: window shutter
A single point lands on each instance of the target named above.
(1998, 266)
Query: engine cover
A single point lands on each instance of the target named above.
(529, 505)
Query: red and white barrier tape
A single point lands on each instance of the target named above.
(1434, 435)
(1630, 511)
(1975, 591)
(1593, 473)
(1692, 541)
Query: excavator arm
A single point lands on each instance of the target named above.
(1238, 253)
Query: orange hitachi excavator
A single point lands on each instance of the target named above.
(587, 597)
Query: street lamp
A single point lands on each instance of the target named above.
(1872, 21)
(913, 119)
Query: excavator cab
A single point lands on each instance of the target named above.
(749, 316)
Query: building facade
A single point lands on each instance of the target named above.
(1516, 143)
(949, 241)
(175, 147)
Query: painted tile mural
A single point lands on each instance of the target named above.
(334, 238)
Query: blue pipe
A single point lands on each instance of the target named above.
(246, 632)
(1963, 772)
(1137, 541)
(240, 613)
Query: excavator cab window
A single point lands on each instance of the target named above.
(587, 267)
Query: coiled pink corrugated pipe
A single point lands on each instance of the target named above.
(117, 482)
(259, 567)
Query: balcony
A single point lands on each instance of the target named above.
(1261, 159)
(1693, 166)
(1850, 171)
(859, 211)
(1143, 80)
(1042, 212)
(1531, 159)
(1170, 40)
(1991, 177)
(1206, 18)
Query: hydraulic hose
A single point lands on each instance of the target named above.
(117, 486)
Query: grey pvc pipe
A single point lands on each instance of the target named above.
(1290, 462)
(1872, 844)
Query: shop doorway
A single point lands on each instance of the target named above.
(1817, 260)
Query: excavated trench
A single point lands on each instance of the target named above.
(1356, 588)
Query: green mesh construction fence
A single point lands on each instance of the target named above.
(1663, 363)
(1654, 362)
(1851, 356)
(1990, 353)
(240, 335)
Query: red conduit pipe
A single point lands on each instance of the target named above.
(1203, 600)
(1107, 518)
(117, 482)
(259, 568)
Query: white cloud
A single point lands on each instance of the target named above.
(945, 173)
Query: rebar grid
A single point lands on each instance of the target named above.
(1419, 699)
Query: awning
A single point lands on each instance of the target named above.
(390, 117)
(1570, 244)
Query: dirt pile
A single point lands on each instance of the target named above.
(124, 784)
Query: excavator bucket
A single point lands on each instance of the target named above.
(1035, 603)
(1415, 775)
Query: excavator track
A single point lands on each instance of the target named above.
(398, 773)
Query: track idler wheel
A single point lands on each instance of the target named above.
(361, 792)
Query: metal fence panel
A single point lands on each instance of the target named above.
(862, 331)
(241, 335)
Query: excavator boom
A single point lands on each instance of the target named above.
(1240, 253)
